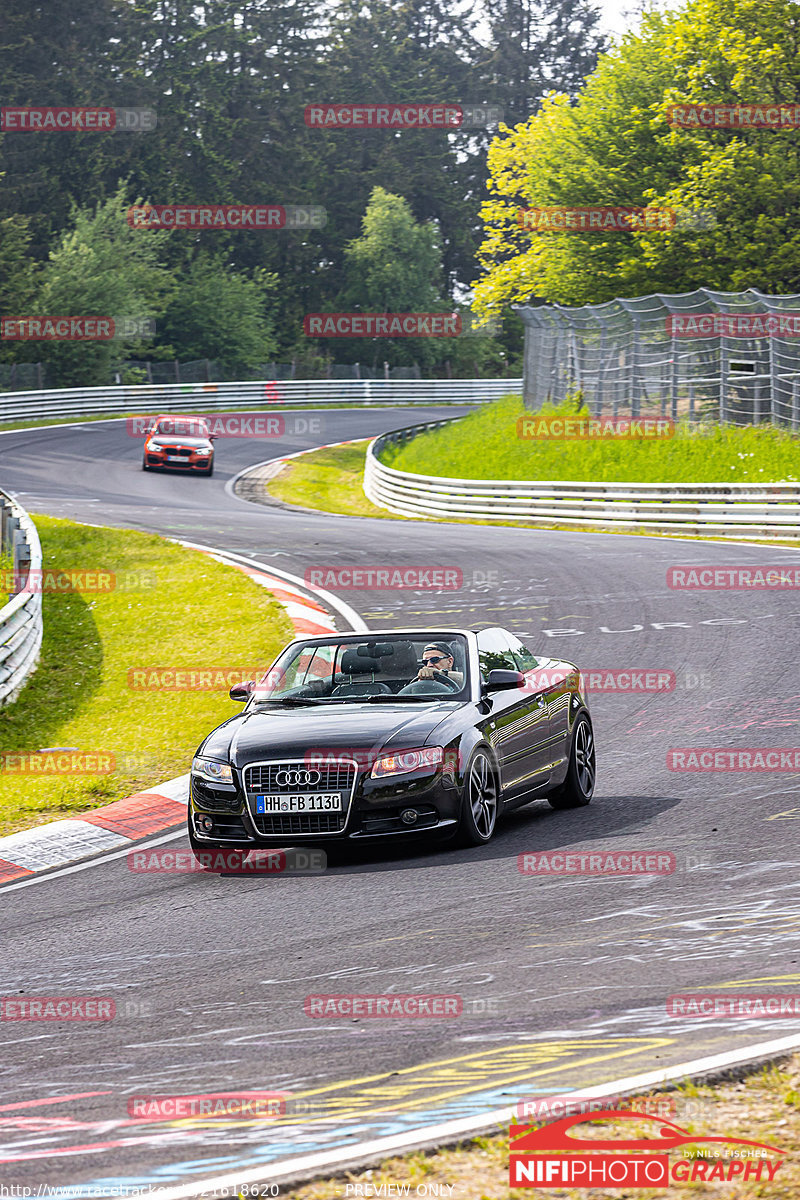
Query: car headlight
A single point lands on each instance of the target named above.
(407, 760)
(200, 451)
(209, 768)
(154, 446)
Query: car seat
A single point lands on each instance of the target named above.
(354, 664)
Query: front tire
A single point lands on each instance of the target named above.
(577, 788)
(480, 803)
(144, 465)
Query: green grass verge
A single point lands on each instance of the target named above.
(329, 479)
(485, 445)
(171, 607)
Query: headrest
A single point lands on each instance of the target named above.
(354, 663)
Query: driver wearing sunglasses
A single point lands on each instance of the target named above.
(438, 656)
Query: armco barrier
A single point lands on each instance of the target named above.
(21, 618)
(175, 397)
(715, 509)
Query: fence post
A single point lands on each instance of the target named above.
(795, 404)
(724, 367)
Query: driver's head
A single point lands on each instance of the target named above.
(438, 656)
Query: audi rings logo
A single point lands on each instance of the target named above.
(298, 778)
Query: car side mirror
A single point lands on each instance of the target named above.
(242, 691)
(212, 437)
(500, 680)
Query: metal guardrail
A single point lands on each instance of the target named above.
(176, 397)
(714, 509)
(21, 618)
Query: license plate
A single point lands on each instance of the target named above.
(304, 802)
(176, 458)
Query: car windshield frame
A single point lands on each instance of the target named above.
(329, 653)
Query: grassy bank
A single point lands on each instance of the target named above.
(329, 479)
(764, 1107)
(485, 445)
(169, 608)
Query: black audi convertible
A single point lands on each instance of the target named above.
(399, 733)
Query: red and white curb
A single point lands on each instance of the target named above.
(162, 806)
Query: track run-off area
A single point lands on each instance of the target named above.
(564, 979)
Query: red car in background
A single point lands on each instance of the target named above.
(179, 444)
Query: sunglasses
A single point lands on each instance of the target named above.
(427, 661)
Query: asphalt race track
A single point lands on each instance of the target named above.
(564, 980)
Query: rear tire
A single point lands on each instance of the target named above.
(577, 788)
(480, 804)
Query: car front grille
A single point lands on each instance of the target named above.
(334, 778)
(184, 453)
(289, 823)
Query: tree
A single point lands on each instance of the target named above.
(614, 146)
(218, 314)
(539, 46)
(101, 267)
(394, 266)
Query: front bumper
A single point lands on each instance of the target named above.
(225, 816)
(189, 462)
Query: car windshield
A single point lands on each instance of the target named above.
(384, 668)
(180, 427)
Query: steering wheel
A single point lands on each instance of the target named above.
(439, 677)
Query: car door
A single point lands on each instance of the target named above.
(517, 725)
(553, 685)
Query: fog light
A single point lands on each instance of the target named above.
(205, 823)
(409, 816)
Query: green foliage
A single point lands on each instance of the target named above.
(101, 267)
(614, 147)
(395, 266)
(218, 314)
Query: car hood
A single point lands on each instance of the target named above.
(176, 439)
(290, 733)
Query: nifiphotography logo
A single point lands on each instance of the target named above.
(548, 1157)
